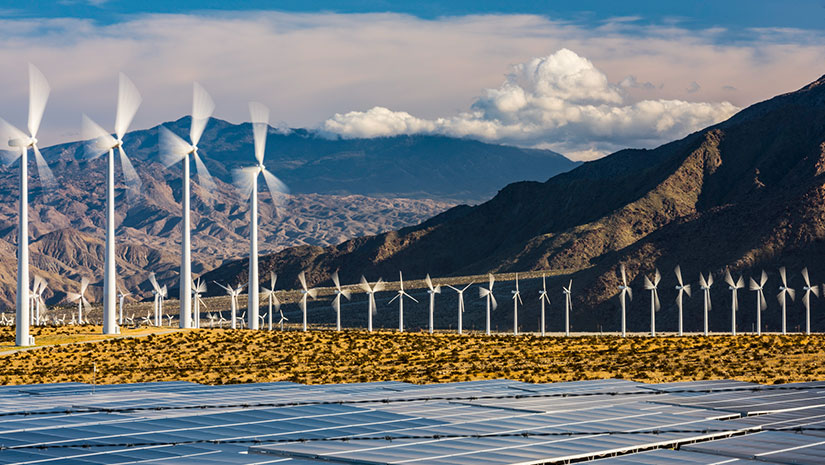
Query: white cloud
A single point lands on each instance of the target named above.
(561, 101)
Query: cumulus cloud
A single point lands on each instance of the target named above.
(560, 101)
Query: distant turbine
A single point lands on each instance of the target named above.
(705, 284)
(198, 290)
(516, 301)
(568, 305)
(543, 298)
(400, 296)
(269, 294)
(625, 291)
(336, 303)
(100, 142)
(19, 142)
(121, 295)
(761, 304)
(806, 299)
(784, 291)
(733, 286)
(432, 291)
(306, 292)
(371, 290)
(653, 287)
(157, 290)
(683, 289)
(460, 304)
(40, 286)
(247, 180)
(487, 292)
(174, 150)
(233, 294)
(80, 298)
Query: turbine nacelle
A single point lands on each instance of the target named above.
(20, 142)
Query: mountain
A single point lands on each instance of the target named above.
(748, 193)
(364, 192)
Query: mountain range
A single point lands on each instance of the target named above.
(340, 189)
(746, 194)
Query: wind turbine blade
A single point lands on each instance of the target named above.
(805, 276)
(303, 279)
(313, 293)
(493, 303)
(467, 287)
(657, 304)
(791, 293)
(84, 283)
(753, 285)
(453, 288)
(131, 177)
(702, 281)
(379, 285)
(204, 178)
(244, 180)
(393, 299)
(687, 289)
(762, 303)
(483, 292)
(202, 108)
(401, 280)
(128, 101)
(710, 279)
(630, 293)
(275, 185)
(624, 276)
(346, 293)
(46, 176)
(259, 115)
(154, 281)
(729, 279)
(72, 297)
(740, 283)
(707, 297)
(815, 290)
(519, 299)
(38, 96)
(764, 279)
(273, 278)
(98, 141)
(9, 132)
(335, 280)
(365, 285)
(657, 277)
(783, 275)
(806, 298)
(648, 285)
(171, 147)
(429, 282)
(544, 284)
(678, 272)
(492, 281)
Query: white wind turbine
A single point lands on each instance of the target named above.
(121, 295)
(198, 290)
(158, 292)
(432, 291)
(336, 303)
(487, 292)
(19, 143)
(543, 298)
(269, 294)
(460, 305)
(233, 293)
(653, 287)
(400, 296)
(39, 287)
(626, 291)
(568, 305)
(733, 286)
(80, 298)
(247, 180)
(305, 292)
(100, 142)
(683, 289)
(371, 290)
(173, 150)
(705, 284)
(761, 304)
(516, 300)
(806, 299)
(784, 292)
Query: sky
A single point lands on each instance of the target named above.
(584, 78)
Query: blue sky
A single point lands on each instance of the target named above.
(582, 78)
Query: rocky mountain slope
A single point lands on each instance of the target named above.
(748, 193)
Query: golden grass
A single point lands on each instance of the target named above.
(50, 336)
(226, 356)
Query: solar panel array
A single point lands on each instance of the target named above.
(609, 422)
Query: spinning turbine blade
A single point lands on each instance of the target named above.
(204, 178)
(678, 272)
(9, 132)
(729, 279)
(98, 141)
(244, 180)
(259, 114)
(805, 276)
(202, 108)
(274, 185)
(336, 281)
(172, 148)
(302, 278)
(784, 276)
(764, 279)
(43, 170)
(38, 96)
(131, 177)
(84, 283)
(128, 101)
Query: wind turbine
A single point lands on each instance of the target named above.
(336, 303)
(371, 290)
(784, 291)
(100, 142)
(683, 289)
(400, 296)
(269, 294)
(761, 304)
(432, 291)
(653, 287)
(198, 289)
(80, 298)
(19, 143)
(491, 299)
(247, 180)
(568, 305)
(806, 299)
(733, 286)
(306, 292)
(516, 301)
(705, 284)
(625, 291)
(460, 304)
(233, 293)
(173, 150)
(40, 286)
(543, 298)
(158, 292)
(122, 294)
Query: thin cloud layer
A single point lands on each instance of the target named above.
(560, 101)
